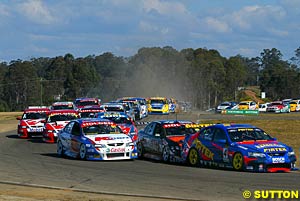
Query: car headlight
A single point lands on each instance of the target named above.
(256, 154)
(291, 153)
(100, 146)
(23, 126)
(129, 144)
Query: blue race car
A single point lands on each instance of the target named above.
(95, 139)
(238, 146)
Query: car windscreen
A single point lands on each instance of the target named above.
(88, 114)
(244, 104)
(114, 109)
(276, 103)
(158, 101)
(62, 107)
(246, 134)
(34, 116)
(85, 103)
(225, 104)
(179, 130)
(62, 117)
(119, 120)
(101, 129)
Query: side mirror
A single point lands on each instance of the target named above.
(19, 118)
(43, 121)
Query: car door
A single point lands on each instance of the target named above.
(76, 138)
(220, 146)
(204, 144)
(156, 140)
(147, 137)
(65, 135)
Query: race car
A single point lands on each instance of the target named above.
(83, 102)
(31, 122)
(57, 119)
(278, 107)
(295, 105)
(113, 107)
(63, 105)
(119, 107)
(140, 106)
(173, 106)
(226, 106)
(162, 140)
(95, 139)
(247, 105)
(238, 146)
(89, 111)
(158, 105)
(123, 121)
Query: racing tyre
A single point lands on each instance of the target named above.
(140, 150)
(238, 162)
(82, 152)
(166, 154)
(193, 157)
(60, 149)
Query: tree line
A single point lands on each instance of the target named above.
(201, 76)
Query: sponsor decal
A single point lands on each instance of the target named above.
(278, 149)
(85, 124)
(267, 145)
(204, 150)
(115, 150)
(278, 160)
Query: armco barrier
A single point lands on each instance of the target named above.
(241, 112)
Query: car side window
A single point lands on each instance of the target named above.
(76, 129)
(68, 127)
(150, 129)
(206, 134)
(219, 134)
(158, 130)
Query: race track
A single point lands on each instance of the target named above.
(34, 162)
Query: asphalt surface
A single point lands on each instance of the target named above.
(32, 162)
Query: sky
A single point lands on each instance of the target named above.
(50, 28)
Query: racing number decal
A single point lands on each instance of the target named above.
(225, 155)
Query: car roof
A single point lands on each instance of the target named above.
(36, 110)
(121, 114)
(174, 121)
(62, 103)
(63, 111)
(88, 99)
(157, 98)
(91, 120)
(233, 126)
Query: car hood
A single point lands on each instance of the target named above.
(32, 122)
(109, 138)
(157, 104)
(57, 125)
(263, 146)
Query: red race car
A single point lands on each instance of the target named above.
(57, 119)
(32, 121)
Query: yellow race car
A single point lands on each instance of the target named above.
(247, 105)
(158, 105)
